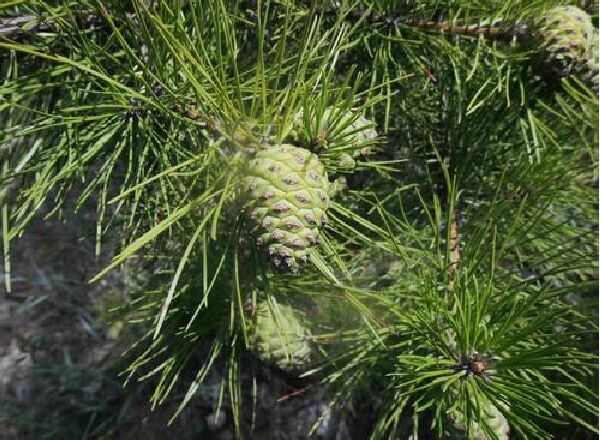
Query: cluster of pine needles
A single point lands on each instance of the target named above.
(456, 276)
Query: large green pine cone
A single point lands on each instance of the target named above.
(565, 35)
(279, 337)
(287, 189)
(494, 418)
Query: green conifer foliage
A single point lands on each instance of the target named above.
(334, 127)
(426, 205)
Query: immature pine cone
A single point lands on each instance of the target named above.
(565, 35)
(336, 127)
(287, 188)
(279, 337)
(494, 418)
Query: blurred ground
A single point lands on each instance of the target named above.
(59, 358)
(50, 321)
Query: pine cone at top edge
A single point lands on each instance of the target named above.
(564, 36)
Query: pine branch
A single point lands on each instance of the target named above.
(454, 246)
(14, 27)
(21, 27)
(493, 31)
(498, 30)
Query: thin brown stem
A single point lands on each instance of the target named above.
(454, 250)
(293, 394)
(12, 27)
(492, 31)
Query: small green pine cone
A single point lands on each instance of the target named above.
(346, 161)
(338, 128)
(363, 133)
(288, 195)
(494, 418)
(338, 186)
(564, 36)
(279, 337)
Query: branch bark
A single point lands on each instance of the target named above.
(454, 249)
(19, 27)
(15, 27)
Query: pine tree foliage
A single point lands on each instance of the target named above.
(458, 266)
